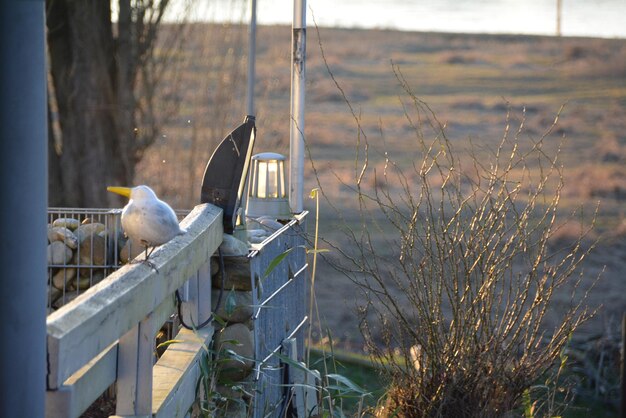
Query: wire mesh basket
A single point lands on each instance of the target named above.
(84, 246)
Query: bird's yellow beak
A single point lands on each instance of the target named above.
(124, 191)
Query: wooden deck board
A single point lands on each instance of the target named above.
(176, 373)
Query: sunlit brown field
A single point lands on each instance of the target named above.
(473, 83)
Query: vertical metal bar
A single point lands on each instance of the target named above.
(251, 60)
(298, 81)
(23, 171)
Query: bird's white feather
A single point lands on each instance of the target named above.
(148, 220)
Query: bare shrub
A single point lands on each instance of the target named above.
(456, 302)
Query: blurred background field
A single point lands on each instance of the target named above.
(470, 81)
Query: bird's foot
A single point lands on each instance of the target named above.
(147, 263)
(151, 265)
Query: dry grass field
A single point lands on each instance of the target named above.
(469, 81)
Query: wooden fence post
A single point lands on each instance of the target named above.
(134, 370)
(135, 359)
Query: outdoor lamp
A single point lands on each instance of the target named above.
(267, 191)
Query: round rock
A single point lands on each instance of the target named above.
(63, 234)
(256, 236)
(92, 273)
(63, 278)
(69, 223)
(53, 295)
(237, 274)
(231, 246)
(130, 251)
(58, 253)
(83, 283)
(67, 298)
(88, 230)
(271, 225)
(92, 250)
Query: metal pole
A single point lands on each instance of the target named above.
(623, 368)
(251, 59)
(23, 181)
(296, 131)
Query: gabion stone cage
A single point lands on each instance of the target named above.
(84, 246)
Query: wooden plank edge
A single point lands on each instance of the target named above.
(85, 386)
(176, 373)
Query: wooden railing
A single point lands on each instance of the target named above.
(107, 335)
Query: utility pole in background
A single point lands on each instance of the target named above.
(559, 13)
(23, 181)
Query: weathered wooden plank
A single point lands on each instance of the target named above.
(196, 307)
(176, 373)
(190, 306)
(131, 376)
(204, 290)
(135, 359)
(84, 386)
(80, 330)
(163, 313)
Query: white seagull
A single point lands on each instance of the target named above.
(146, 219)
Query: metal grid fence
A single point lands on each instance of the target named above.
(280, 312)
(84, 246)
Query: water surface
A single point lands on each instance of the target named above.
(596, 18)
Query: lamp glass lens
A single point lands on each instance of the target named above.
(262, 173)
(272, 175)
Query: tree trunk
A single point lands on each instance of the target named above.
(96, 78)
(83, 68)
(125, 86)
